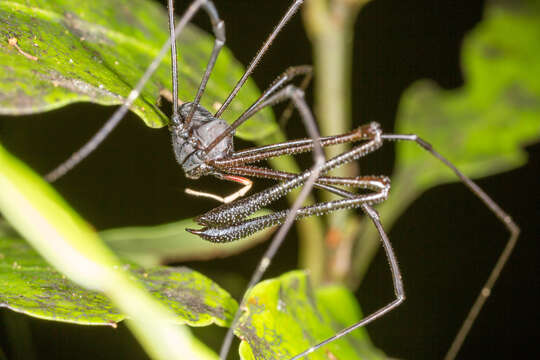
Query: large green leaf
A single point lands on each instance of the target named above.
(482, 126)
(31, 286)
(97, 50)
(71, 245)
(284, 316)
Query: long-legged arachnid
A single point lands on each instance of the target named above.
(203, 145)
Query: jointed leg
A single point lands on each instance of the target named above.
(226, 222)
(364, 132)
(230, 229)
(248, 205)
(501, 261)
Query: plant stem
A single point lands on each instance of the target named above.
(330, 25)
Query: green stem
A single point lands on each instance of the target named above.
(330, 25)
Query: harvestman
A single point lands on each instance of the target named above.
(203, 145)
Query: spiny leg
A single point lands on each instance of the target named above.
(247, 156)
(353, 200)
(501, 261)
(378, 184)
(119, 114)
(373, 183)
(318, 158)
(246, 206)
(235, 229)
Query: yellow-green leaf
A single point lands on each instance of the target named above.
(284, 316)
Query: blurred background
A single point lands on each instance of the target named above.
(447, 241)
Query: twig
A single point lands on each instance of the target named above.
(13, 42)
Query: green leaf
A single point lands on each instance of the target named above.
(284, 316)
(97, 50)
(153, 245)
(482, 126)
(68, 243)
(31, 286)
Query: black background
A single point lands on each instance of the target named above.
(447, 241)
